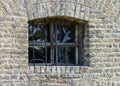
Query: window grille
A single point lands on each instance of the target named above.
(58, 42)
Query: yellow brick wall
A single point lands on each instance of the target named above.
(103, 17)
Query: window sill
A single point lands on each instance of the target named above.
(57, 69)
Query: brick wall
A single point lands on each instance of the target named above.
(103, 18)
(13, 43)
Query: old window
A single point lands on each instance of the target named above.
(55, 42)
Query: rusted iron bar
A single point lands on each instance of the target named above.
(52, 42)
(76, 48)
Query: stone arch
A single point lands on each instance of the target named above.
(12, 7)
(39, 9)
(3, 9)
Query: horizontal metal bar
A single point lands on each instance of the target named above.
(67, 44)
(39, 44)
(41, 64)
(58, 44)
(52, 64)
(37, 60)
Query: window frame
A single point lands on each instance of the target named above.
(79, 36)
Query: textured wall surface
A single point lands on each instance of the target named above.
(13, 43)
(44, 8)
(103, 18)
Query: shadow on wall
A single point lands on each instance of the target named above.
(86, 43)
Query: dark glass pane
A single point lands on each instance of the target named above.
(37, 54)
(39, 33)
(64, 33)
(65, 55)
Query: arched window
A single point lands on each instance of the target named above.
(55, 42)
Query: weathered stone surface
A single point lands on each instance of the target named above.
(39, 9)
(103, 30)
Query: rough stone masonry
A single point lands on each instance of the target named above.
(103, 17)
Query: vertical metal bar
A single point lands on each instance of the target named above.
(45, 33)
(45, 47)
(76, 39)
(80, 42)
(56, 44)
(33, 48)
(52, 42)
(66, 57)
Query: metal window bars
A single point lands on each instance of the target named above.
(54, 43)
(38, 38)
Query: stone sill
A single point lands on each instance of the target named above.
(57, 69)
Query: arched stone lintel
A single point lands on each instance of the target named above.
(53, 9)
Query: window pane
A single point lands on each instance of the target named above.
(65, 55)
(39, 54)
(64, 33)
(39, 33)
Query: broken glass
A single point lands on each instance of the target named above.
(53, 43)
(64, 33)
(39, 33)
(66, 37)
